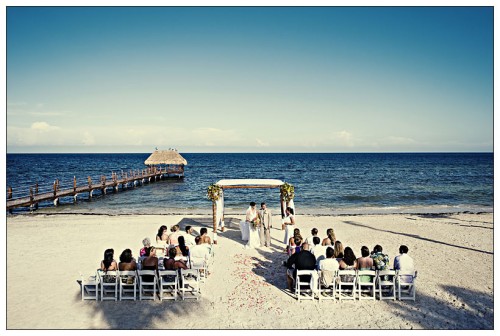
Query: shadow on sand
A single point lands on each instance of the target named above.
(415, 237)
(468, 309)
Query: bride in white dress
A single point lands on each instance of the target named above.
(251, 217)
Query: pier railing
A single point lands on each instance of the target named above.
(33, 194)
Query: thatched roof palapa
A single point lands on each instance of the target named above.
(165, 157)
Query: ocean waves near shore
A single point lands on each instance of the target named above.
(329, 184)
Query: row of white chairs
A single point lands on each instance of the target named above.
(349, 284)
(128, 285)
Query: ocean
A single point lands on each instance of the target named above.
(325, 183)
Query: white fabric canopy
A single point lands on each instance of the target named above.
(250, 182)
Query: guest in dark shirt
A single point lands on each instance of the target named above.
(303, 260)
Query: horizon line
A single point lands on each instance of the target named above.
(388, 152)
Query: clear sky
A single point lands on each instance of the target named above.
(249, 79)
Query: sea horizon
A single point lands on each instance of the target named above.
(325, 183)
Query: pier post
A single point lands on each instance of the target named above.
(74, 184)
(31, 198)
(56, 188)
(115, 182)
(103, 182)
(36, 194)
(89, 180)
(9, 196)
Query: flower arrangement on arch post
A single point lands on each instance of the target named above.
(287, 191)
(214, 192)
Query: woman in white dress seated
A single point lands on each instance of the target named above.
(288, 224)
(253, 220)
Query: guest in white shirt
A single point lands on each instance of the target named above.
(309, 240)
(199, 252)
(327, 268)
(188, 237)
(404, 263)
(316, 244)
(329, 263)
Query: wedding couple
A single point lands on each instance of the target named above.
(259, 224)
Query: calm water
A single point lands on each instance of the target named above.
(324, 183)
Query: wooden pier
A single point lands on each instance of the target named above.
(126, 180)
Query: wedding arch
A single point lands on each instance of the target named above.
(215, 193)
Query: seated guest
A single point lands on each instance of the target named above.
(205, 239)
(171, 263)
(146, 242)
(188, 236)
(173, 237)
(330, 239)
(182, 249)
(316, 243)
(365, 263)
(295, 247)
(150, 263)
(309, 240)
(404, 263)
(108, 263)
(199, 252)
(162, 236)
(329, 263)
(380, 260)
(303, 260)
(349, 260)
(328, 266)
(291, 242)
(338, 250)
(127, 262)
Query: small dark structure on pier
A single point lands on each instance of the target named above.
(169, 160)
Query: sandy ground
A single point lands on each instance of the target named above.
(453, 254)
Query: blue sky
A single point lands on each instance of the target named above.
(249, 79)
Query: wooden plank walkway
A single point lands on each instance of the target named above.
(136, 178)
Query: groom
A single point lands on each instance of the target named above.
(265, 225)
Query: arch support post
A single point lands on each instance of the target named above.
(214, 220)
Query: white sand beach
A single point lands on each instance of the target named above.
(453, 254)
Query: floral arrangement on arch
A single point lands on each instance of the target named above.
(287, 191)
(214, 192)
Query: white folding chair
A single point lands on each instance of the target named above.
(386, 284)
(147, 287)
(168, 284)
(406, 285)
(327, 292)
(190, 283)
(304, 286)
(366, 286)
(127, 285)
(109, 285)
(90, 287)
(346, 283)
(202, 267)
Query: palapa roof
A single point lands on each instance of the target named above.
(165, 157)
